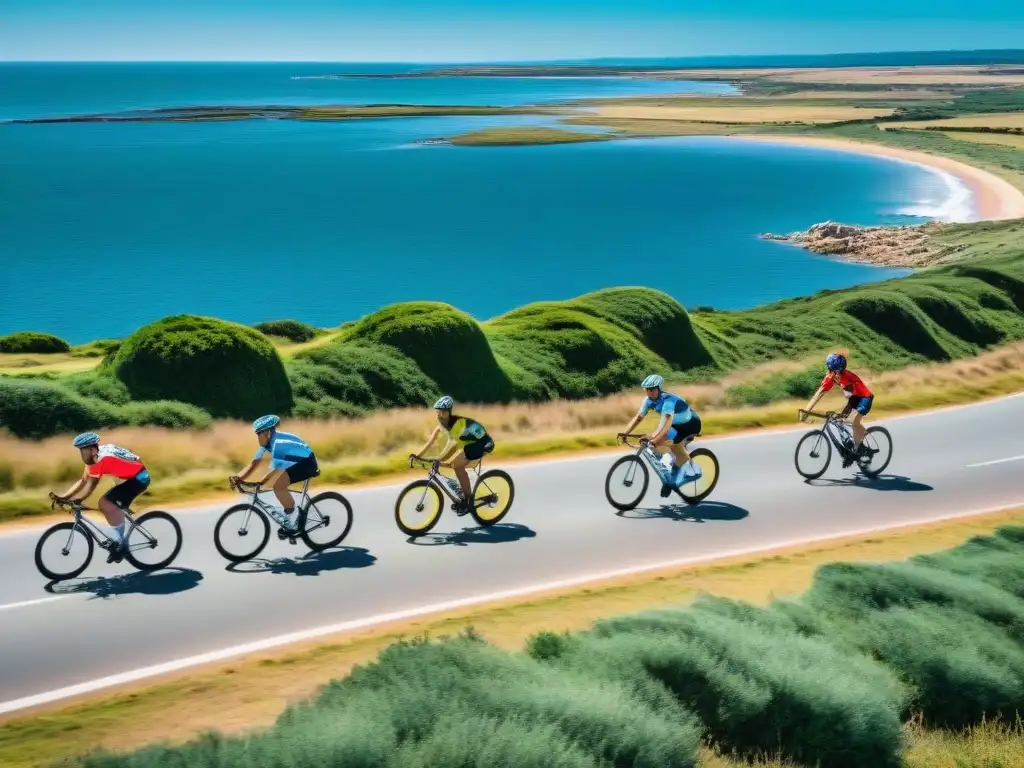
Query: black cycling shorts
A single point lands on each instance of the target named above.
(303, 469)
(476, 450)
(123, 494)
(680, 432)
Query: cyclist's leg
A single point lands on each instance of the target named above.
(113, 503)
(298, 472)
(471, 454)
(685, 470)
(860, 411)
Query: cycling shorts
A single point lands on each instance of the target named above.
(690, 428)
(861, 405)
(123, 494)
(475, 451)
(303, 469)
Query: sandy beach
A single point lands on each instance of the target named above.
(993, 198)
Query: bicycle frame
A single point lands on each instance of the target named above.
(646, 450)
(254, 491)
(836, 429)
(434, 478)
(93, 530)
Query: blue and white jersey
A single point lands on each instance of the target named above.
(285, 450)
(667, 403)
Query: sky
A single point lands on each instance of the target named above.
(491, 30)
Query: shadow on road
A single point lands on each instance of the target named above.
(169, 581)
(880, 483)
(311, 564)
(700, 513)
(500, 533)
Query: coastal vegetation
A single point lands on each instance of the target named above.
(837, 675)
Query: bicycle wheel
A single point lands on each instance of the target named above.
(64, 540)
(623, 477)
(492, 497)
(243, 520)
(818, 446)
(422, 503)
(154, 542)
(877, 439)
(319, 514)
(695, 491)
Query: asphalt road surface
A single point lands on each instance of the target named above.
(112, 620)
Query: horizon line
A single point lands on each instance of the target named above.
(572, 60)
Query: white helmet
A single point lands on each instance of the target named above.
(654, 380)
(444, 404)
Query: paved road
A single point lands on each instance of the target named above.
(112, 621)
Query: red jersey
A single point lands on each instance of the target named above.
(116, 461)
(852, 384)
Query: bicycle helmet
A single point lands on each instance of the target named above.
(835, 362)
(654, 380)
(86, 439)
(444, 404)
(263, 423)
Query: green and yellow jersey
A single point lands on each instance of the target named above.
(465, 430)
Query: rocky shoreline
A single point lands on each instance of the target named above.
(907, 246)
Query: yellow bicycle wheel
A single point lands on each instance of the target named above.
(492, 497)
(697, 490)
(418, 508)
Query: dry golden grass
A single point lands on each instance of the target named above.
(991, 120)
(248, 694)
(12, 364)
(769, 113)
(999, 139)
(189, 464)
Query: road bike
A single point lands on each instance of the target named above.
(253, 519)
(631, 474)
(79, 538)
(835, 432)
(492, 498)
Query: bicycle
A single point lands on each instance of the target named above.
(83, 535)
(835, 432)
(320, 509)
(433, 488)
(646, 455)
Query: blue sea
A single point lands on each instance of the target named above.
(107, 226)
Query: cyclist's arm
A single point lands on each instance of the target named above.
(815, 398)
(248, 470)
(430, 441)
(86, 482)
(632, 425)
(270, 478)
(663, 427)
(449, 452)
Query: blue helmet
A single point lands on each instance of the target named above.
(263, 423)
(86, 439)
(654, 380)
(444, 404)
(835, 362)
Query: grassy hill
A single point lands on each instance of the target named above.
(596, 344)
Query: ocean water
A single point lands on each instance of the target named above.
(104, 227)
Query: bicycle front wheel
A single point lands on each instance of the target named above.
(418, 508)
(813, 454)
(696, 491)
(64, 551)
(325, 521)
(154, 542)
(626, 483)
(241, 533)
(879, 441)
(492, 497)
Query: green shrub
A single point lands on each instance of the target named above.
(777, 386)
(448, 346)
(287, 329)
(35, 408)
(98, 386)
(33, 342)
(100, 348)
(758, 689)
(224, 368)
(344, 378)
(164, 413)
(425, 680)
(891, 315)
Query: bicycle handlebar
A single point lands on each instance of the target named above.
(56, 501)
(425, 463)
(243, 486)
(827, 415)
(624, 437)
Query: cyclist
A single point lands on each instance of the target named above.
(859, 398)
(678, 422)
(461, 432)
(291, 461)
(129, 473)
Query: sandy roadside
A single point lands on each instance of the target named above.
(994, 198)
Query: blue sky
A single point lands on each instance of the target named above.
(467, 30)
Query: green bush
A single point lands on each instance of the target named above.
(346, 378)
(38, 408)
(99, 386)
(777, 386)
(224, 368)
(287, 329)
(164, 413)
(448, 346)
(33, 342)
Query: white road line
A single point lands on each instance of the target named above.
(996, 461)
(37, 601)
(450, 605)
